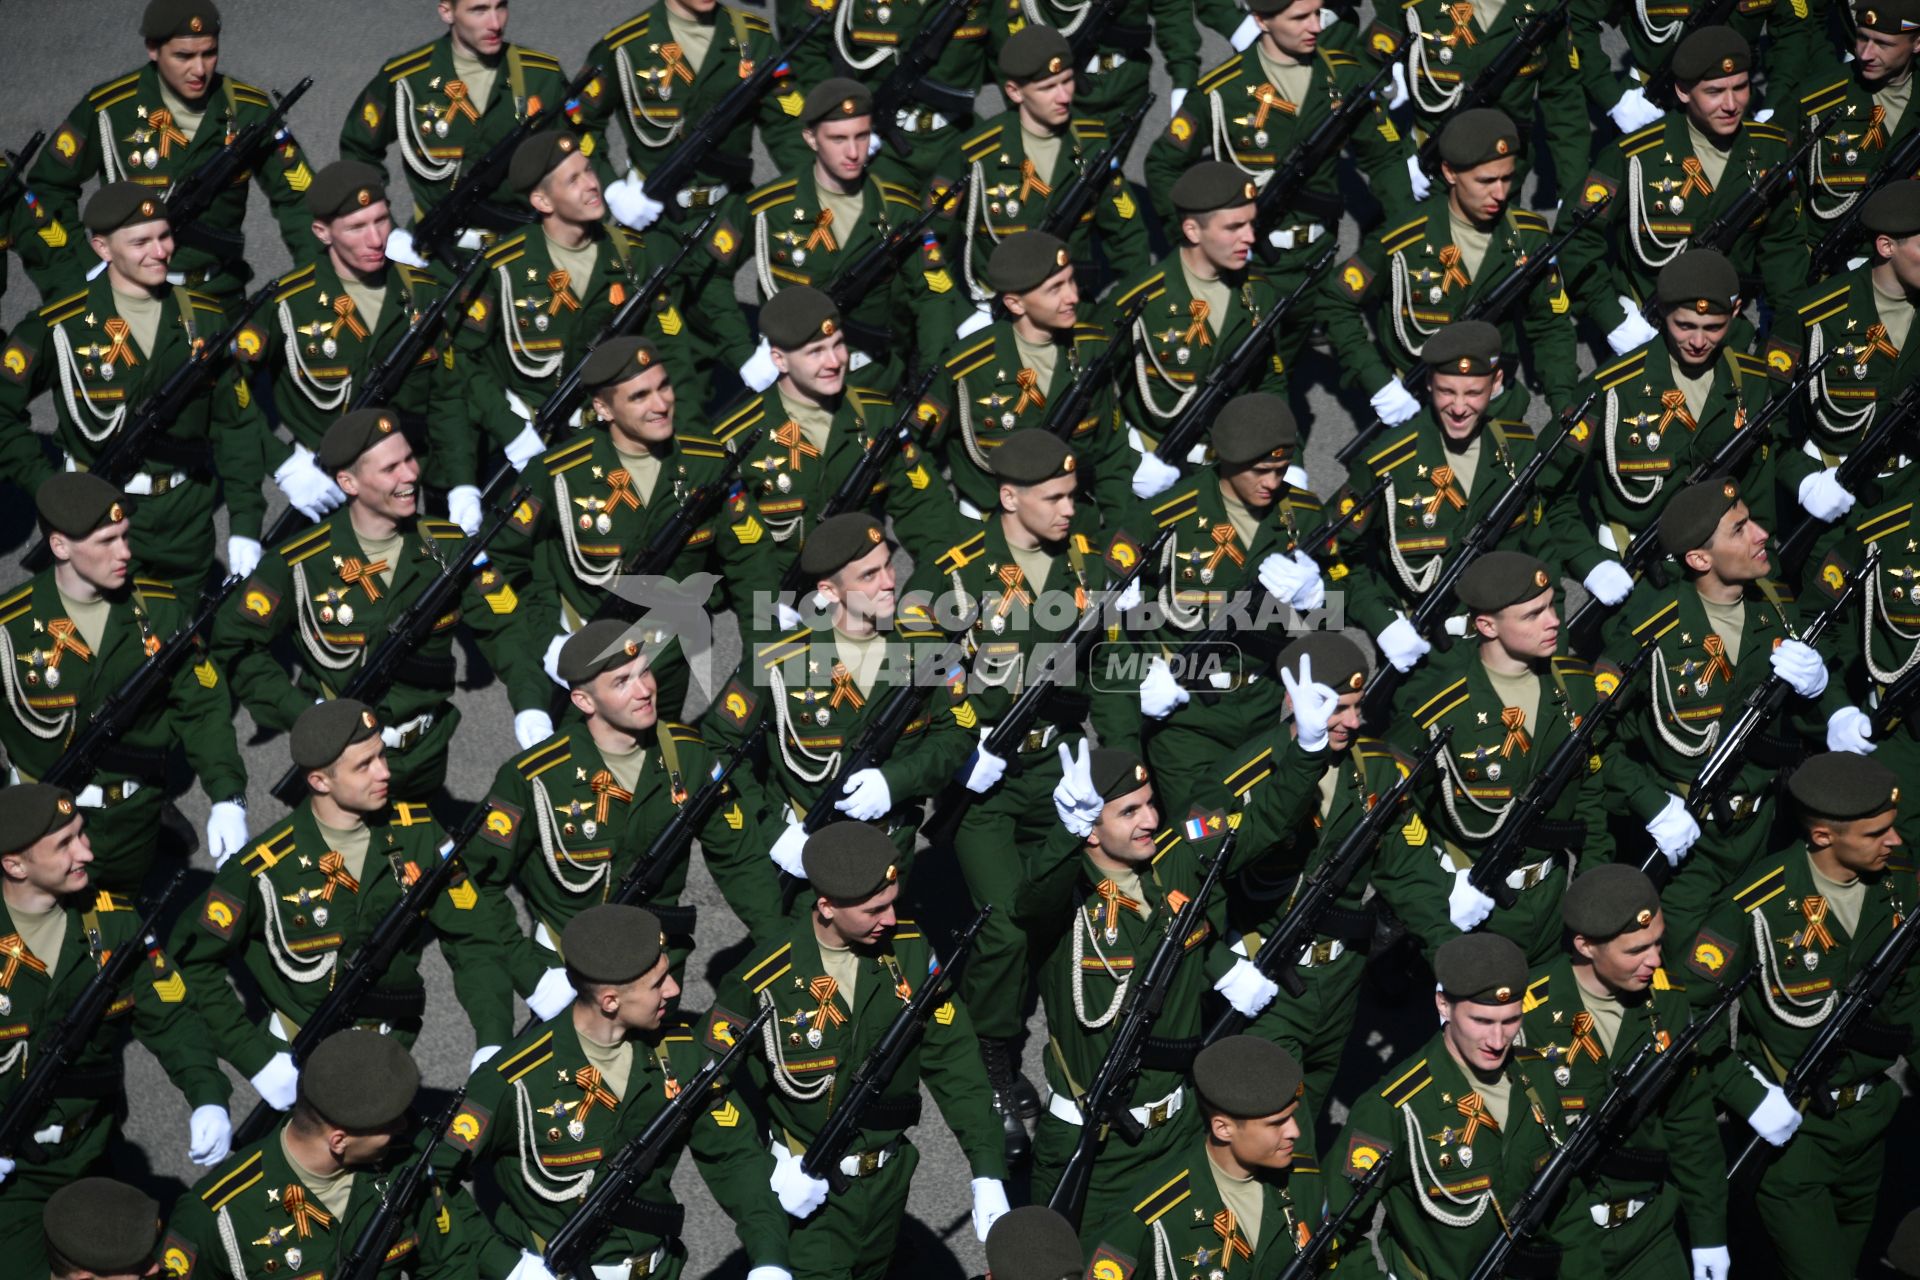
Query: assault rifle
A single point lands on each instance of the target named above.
(1071, 203)
(1308, 157)
(189, 198)
(1830, 255)
(399, 1201)
(909, 83)
(1486, 90)
(1306, 1262)
(857, 280)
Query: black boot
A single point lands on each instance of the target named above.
(997, 1055)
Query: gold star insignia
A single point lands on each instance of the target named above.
(1557, 1015)
(92, 320)
(1479, 717)
(579, 774)
(1686, 637)
(1447, 1099)
(596, 473)
(1420, 470)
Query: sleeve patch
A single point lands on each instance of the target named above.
(258, 602)
(1709, 954)
(737, 703)
(1355, 278)
(16, 361)
(722, 1025)
(1122, 554)
(1364, 1151)
(503, 820)
(67, 145)
(177, 1258)
(1597, 189)
(1110, 1264)
(220, 914)
(469, 1125)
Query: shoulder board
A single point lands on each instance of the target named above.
(1222, 74)
(751, 22)
(1176, 509)
(200, 302)
(1572, 666)
(1154, 281)
(981, 143)
(16, 603)
(1750, 364)
(265, 855)
(634, 239)
(913, 622)
(251, 94)
(1439, 704)
(1660, 621)
(1621, 370)
(1340, 58)
(1402, 236)
(416, 278)
(961, 554)
(155, 588)
(964, 362)
(302, 545)
(243, 1177)
(1395, 454)
(519, 1064)
(699, 446)
(682, 732)
(906, 929)
(1762, 891)
(113, 86)
(441, 530)
(63, 308)
(747, 415)
(1529, 221)
(1515, 429)
(407, 814)
(763, 974)
(774, 193)
(1663, 981)
(1381, 749)
(772, 655)
(1825, 97)
(895, 192)
(538, 59)
(870, 397)
(1164, 842)
(112, 902)
(1536, 994)
(1872, 529)
(507, 250)
(1089, 333)
(1243, 779)
(296, 283)
(1089, 130)
(1165, 1198)
(1303, 499)
(423, 52)
(1822, 307)
(576, 450)
(1651, 136)
(1781, 589)
(544, 757)
(633, 26)
(1403, 1090)
(1771, 132)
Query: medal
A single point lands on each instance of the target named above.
(1562, 1076)
(1435, 294)
(996, 624)
(1653, 439)
(884, 13)
(1182, 355)
(666, 90)
(6, 1004)
(440, 127)
(1446, 53)
(799, 257)
(541, 322)
(293, 1258)
(814, 1037)
(783, 482)
(1851, 155)
(1466, 1157)
(586, 522)
(319, 917)
(1676, 204)
(53, 677)
(345, 614)
(1859, 372)
(1811, 960)
(329, 348)
(589, 828)
(577, 1130)
(1013, 208)
(1206, 575)
(1007, 420)
(106, 372)
(603, 524)
(133, 158)
(821, 716)
(1259, 137)
(152, 157)
(1493, 773)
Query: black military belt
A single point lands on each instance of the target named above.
(148, 764)
(181, 455)
(649, 1218)
(1552, 835)
(1775, 753)
(1164, 1054)
(1635, 1164)
(891, 1114)
(677, 921)
(1355, 928)
(423, 672)
(392, 1007)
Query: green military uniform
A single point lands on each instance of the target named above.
(82, 352)
(1652, 29)
(339, 600)
(1115, 77)
(58, 679)
(821, 1035)
(30, 229)
(127, 130)
(1860, 123)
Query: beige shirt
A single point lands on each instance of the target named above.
(626, 768)
(1713, 160)
(1283, 73)
(187, 120)
(613, 1061)
(844, 968)
(1607, 1013)
(90, 616)
(44, 932)
(1034, 565)
(577, 263)
(1329, 783)
(1466, 463)
(1240, 516)
(1522, 691)
(1486, 11)
(142, 312)
(477, 75)
(1729, 622)
(1043, 359)
(387, 549)
(693, 37)
(1214, 293)
(1043, 149)
(368, 301)
(643, 469)
(1498, 1097)
(1892, 98)
(863, 659)
(334, 1191)
(1245, 1198)
(1843, 900)
(1694, 388)
(1128, 883)
(350, 845)
(1895, 312)
(847, 211)
(816, 423)
(1471, 241)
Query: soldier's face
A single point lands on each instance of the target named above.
(1259, 1142)
(1295, 30)
(103, 558)
(1127, 826)
(385, 480)
(186, 64)
(1054, 305)
(1046, 102)
(641, 1005)
(818, 369)
(640, 409)
(865, 587)
(1460, 401)
(571, 192)
(1695, 338)
(1044, 510)
(55, 863)
(138, 253)
(1480, 1035)
(840, 147)
(1903, 255)
(358, 240)
(1625, 964)
(1737, 552)
(1480, 194)
(357, 781)
(1224, 237)
(1528, 631)
(1258, 486)
(479, 25)
(1717, 106)
(861, 924)
(365, 1150)
(1883, 55)
(624, 696)
(1862, 846)
(1345, 724)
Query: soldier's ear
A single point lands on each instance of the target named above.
(1698, 559)
(1009, 499)
(99, 244)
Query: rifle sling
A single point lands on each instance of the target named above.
(395, 1008)
(648, 1217)
(1633, 1164)
(421, 672)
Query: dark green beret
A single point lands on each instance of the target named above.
(1212, 185)
(360, 1081)
(1693, 514)
(1026, 260)
(1031, 456)
(1903, 1251)
(326, 729)
(1253, 428)
(1117, 773)
(1497, 579)
(1842, 786)
(344, 187)
(1890, 17)
(29, 810)
(838, 541)
(1337, 661)
(539, 156)
(166, 19)
(612, 943)
(1701, 281)
(1033, 1242)
(1893, 210)
(1483, 968)
(1465, 346)
(849, 861)
(122, 204)
(797, 315)
(1247, 1077)
(836, 98)
(597, 647)
(77, 502)
(1478, 136)
(616, 360)
(1612, 899)
(1711, 52)
(352, 435)
(1035, 52)
(102, 1225)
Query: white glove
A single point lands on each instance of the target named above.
(1673, 829)
(530, 1267)
(6, 1169)
(1609, 582)
(1075, 798)
(312, 492)
(1160, 693)
(1174, 99)
(799, 1194)
(1467, 907)
(243, 555)
(463, 508)
(1417, 177)
(1297, 476)
(987, 768)
(989, 1197)
(1850, 729)
(1824, 497)
(1245, 34)
(551, 994)
(788, 616)
(628, 201)
(874, 144)
(400, 248)
(1763, 115)
(1709, 1264)
(1294, 580)
(977, 319)
(524, 448)
(1394, 404)
(769, 1273)
(481, 1056)
(226, 830)
(209, 1136)
(530, 727)
(1798, 664)
(1632, 333)
(550, 660)
(786, 850)
(1401, 645)
(1152, 477)
(1246, 988)
(759, 372)
(1400, 96)
(1313, 705)
(1633, 112)
(1130, 598)
(277, 1082)
(868, 797)
(1774, 1119)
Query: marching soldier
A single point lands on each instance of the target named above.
(61, 930)
(1863, 103)
(569, 1093)
(1245, 1185)
(301, 1196)
(338, 587)
(1670, 181)
(1460, 1120)
(99, 354)
(303, 900)
(1426, 271)
(27, 229)
(69, 638)
(1123, 48)
(1588, 1015)
(1011, 166)
(845, 966)
(99, 1229)
(1796, 45)
(1810, 916)
(156, 126)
